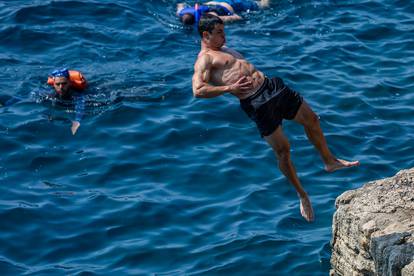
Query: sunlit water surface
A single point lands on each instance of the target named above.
(157, 182)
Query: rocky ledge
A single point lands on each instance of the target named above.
(373, 228)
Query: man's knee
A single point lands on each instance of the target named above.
(312, 120)
(283, 151)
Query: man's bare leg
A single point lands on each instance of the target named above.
(263, 3)
(280, 145)
(180, 6)
(310, 122)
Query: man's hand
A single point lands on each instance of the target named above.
(306, 209)
(243, 84)
(75, 126)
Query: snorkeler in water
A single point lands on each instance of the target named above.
(69, 86)
(227, 10)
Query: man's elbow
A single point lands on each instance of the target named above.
(198, 93)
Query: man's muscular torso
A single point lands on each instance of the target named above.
(228, 66)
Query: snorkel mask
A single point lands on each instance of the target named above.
(60, 73)
(197, 11)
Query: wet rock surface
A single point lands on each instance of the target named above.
(373, 228)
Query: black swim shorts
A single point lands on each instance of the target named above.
(271, 103)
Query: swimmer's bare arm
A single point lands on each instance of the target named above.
(79, 112)
(229, 18)
(201, 81)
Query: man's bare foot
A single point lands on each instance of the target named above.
(306, 209)
(264, 3)
(338, 164)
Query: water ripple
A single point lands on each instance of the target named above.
(157, 182)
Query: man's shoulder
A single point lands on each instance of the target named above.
(232, 52)
(204, 57)
(203, 54)
(211, 55)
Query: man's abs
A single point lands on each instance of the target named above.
(257, 79)
(239, 69)
(228, 68)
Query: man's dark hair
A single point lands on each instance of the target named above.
(188, 19)
(207, 23)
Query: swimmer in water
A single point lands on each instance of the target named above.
(227, 10)
(68, 86)
(219, 70)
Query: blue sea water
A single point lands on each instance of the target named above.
(158, 182)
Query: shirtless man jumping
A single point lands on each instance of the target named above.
(220, 70)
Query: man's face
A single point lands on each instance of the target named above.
(216, 38)
(61, 85)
